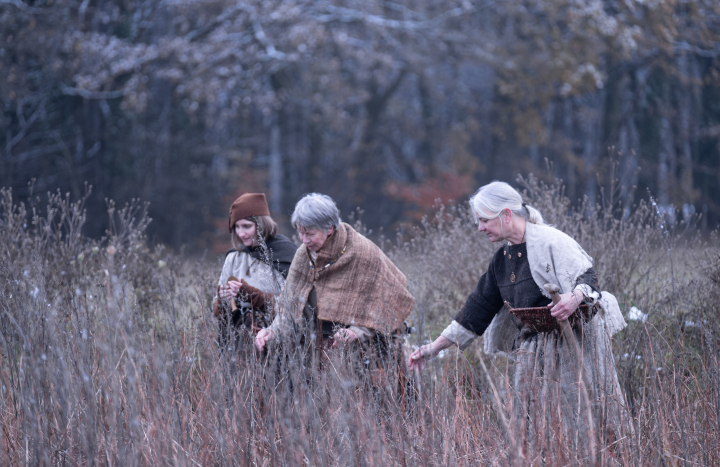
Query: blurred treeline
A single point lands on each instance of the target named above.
(385, 105)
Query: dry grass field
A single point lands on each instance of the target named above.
(109, 355)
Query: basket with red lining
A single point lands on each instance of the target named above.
(539, 319)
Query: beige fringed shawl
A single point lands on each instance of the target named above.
(361, 287)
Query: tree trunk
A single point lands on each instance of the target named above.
(591, 118)
(628, 143)
(425, 148)
(666, 156)
(684, 101)
(275, 176)
(569, 155)
(364, 162)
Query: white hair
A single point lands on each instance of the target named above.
(490, 200)
(315, 211)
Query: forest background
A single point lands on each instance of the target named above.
(391, 105)
(109, 350)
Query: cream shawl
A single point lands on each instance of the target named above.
(554, 258)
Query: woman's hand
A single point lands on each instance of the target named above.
(229, 290)
(345, 336)
(263, 337)
(569, 302)
(426, 352)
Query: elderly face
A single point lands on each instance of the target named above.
(314, 239)
(246, 231)
(492, 227)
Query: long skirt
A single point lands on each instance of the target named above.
(374, 369)
(566, 388)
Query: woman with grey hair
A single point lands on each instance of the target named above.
(341, 287)
(534, 263)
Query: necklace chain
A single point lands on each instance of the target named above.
(519, 254)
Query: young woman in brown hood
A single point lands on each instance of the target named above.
(255, 268)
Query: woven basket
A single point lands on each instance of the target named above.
(540, 320)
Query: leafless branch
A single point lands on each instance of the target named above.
(83, 7)
(229, 14)
(24, 124)
(684, 46)
(270, 49)
(21, 6)
(33, 153)
(347, 15)
(68, 91)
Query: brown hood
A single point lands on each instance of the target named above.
(249, 204)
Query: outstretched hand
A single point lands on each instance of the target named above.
(420, 356)
(263, 337)
(569, 302)
(426, 352)
(344, 336)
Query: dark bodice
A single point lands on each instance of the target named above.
(524, 292)
(310, 315)
(497, 286)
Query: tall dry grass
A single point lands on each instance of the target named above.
(109, 355)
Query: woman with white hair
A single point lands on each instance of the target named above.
(534, 254)
(341, 287)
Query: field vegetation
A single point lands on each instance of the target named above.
(109, 354)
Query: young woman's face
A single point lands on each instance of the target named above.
(492, 227)
(246, 232)
(314, 239)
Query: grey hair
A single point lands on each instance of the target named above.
(316, 211)
(490, 200)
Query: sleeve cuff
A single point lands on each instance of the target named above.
(281, 325)
(459, 335)
(589, 294)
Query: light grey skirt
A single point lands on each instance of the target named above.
(568, 392)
